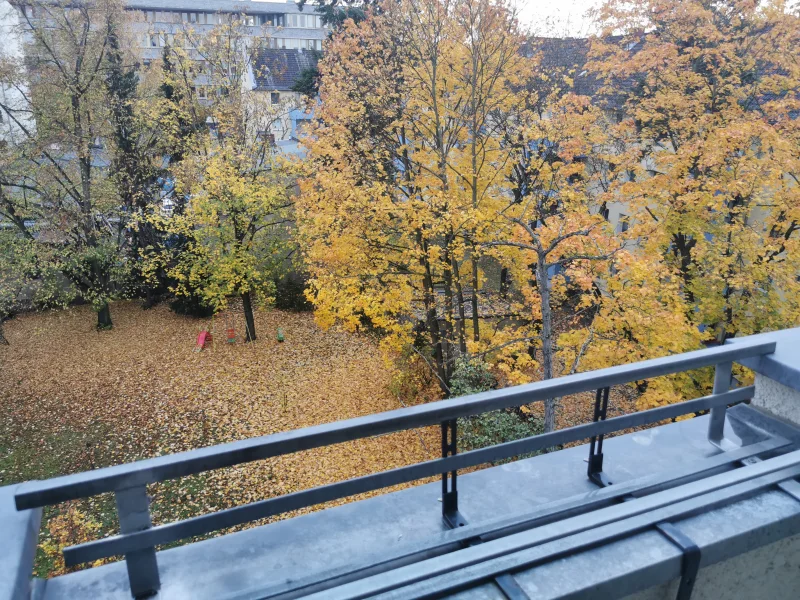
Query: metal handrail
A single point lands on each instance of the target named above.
(36, 494)
(138, 540)
(165, 534)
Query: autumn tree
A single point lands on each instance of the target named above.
(709, 96)
(137, 151)
(550, 233)
(405, 166)
(236, 193)
(444, 153)
(62, 121)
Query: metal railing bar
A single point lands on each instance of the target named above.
(521, 550)
(546, 513)
(171, 532)
(587, 540)
(36, 494)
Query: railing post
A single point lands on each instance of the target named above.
(450, 512)
(595, 469)
(133, 509)
(716, 423)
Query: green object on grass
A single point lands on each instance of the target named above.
(280, 334)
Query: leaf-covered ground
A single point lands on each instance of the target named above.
(73, 398)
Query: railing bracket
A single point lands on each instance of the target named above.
(595, 470)
(691, 558)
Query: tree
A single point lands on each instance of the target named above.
(62, 119)
(236, 192)
(710, 96)
(550, 234)
(405, 167)
(335, 12)
(443, 153)
(137, 162)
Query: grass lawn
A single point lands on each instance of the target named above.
(73, 398)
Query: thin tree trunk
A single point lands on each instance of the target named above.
(476, 330)
(543, 283)
(249, 321)
(100, 282)
(448, 311)
(431, 320)
(504, 283)
(462, 324)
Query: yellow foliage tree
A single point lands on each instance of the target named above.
(234, 192)
(406, 165)
(711, 92)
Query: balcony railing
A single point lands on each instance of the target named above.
(138, 539)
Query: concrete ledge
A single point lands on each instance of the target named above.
(20, 536)
(777, 399)
(783, 365)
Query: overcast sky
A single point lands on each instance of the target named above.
(556, 17)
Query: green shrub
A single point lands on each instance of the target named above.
(494, 427)
(471, 377)
(290, 294)
(192, 306)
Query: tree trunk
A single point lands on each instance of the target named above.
(543, 283)
(249, 321)
(3, 339)
(431, 318)
(104, 317)
(462, 320)
(448, 341)
(476, 330)
(100, 283)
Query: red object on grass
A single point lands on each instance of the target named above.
(204, 339)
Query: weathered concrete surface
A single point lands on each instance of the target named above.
(783, 365)
(19, 538)
(777, 399)
(771, 572)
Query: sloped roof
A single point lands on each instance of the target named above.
(278, 69)
(571, 56)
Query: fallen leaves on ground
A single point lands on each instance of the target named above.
(73, 399)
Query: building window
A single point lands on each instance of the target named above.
(624, 223)
(275, 98)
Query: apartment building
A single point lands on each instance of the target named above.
(11, 92)
(288, 39)
(280, 25)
